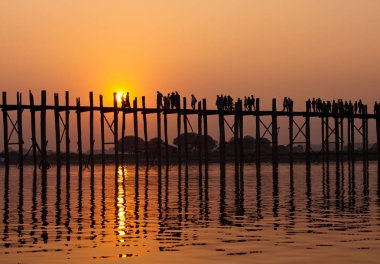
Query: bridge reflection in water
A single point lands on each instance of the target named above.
(271, 212)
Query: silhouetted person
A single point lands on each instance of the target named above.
(309, 105)
(193, 101)
(127, 103)
(360, 106)
(123, 101)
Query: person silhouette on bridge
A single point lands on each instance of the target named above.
(193, 101)
(159, 99)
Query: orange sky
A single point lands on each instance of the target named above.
(297, 48)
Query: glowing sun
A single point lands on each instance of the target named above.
(119, 97)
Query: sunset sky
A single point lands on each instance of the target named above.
(298, 48)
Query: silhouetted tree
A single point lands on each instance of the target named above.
(129, 144)
(192, 141)
(249, 144)
(152, 146)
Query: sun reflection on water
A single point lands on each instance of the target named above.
(121, 203)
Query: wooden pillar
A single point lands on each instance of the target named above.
(205, 131)
(102, 129)
(327, 137)
(116, 130)
(307, 130)
(145, 131)
(200, 137)
(348, 137)
(33, 128)
(341, 134)
(274, 132)
(57, 130)
(5, 134)
(241, 134)
(92, 141)
(43, 132)
(159, 130)
(378, 135)
(19, 130)
(79, 133)
(363, 135)
(236, 135)
(336, 129)
(166, 136)
(122, 133)
(366, 132)
(179, 131)
(222, 140)
(258, 133)
(136, 131)
(185, 130)
(291, 136)
(352, 140)
(67, 130)
(323, 138)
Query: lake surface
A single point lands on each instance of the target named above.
(283, 215)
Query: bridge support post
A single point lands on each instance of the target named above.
(222, 140)
(116, 130)
(236, 135)
(19, 130)
(57, 130)
(274, 132)
(102, 128)
(205, 132)
(200, 137)
(79, 133)
(158, 107)
(92, 141)
(291, 133)
(378, 135)
(145, 131)
(33, 128)
(5, 134)
(307, 134)
(258, 134)
(67, 130)
(179, 130)
(43, 132)
(185, 130)
(136, 131)
(166, 136)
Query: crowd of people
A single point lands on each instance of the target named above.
(125, 103)
(287, 104)
(339, 106)
(224, 102)
(249, 103)
(172, 100)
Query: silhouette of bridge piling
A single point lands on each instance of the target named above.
(299, 133)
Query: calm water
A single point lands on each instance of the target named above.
(285, 215)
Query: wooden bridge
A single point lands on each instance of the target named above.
(332, 129)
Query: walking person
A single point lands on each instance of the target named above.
(159, 98)
(127, 103)
(285, 104)
(193, 101)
